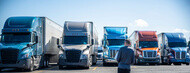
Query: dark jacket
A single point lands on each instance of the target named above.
(125, 57)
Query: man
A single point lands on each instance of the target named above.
(125, 58)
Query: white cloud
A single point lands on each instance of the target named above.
(139, 23)
(181, 30)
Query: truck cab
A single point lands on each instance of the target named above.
(145, 45)
(114, 38)
(79, 45)
(23, 43)
(174, 48)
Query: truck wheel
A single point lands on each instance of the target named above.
(1, 69)
(187, 63)
(31, 68)
(61, 67)
(177, 63)
(104, 63)
(94, 60)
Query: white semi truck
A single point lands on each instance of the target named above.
(79, 45)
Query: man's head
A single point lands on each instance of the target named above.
(127, 42)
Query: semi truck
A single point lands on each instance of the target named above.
(145, 46)
(173, 48)
(114, 38)
(29, 43)
(79, 45)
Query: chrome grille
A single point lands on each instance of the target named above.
(149, 54)
(9, 56)
(180, 55)
(73, 56)
(113, 53)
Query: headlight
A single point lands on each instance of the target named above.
(84, 56)
(105, 56)
(25, 56)
(140, 55)
(62, 56)
(158, 55)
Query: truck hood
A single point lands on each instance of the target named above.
(149, 49)
(13, 45)
(115, 47)
(78, 47)
(179, 48)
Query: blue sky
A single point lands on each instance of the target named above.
(157, 15)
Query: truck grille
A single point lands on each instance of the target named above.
(9, 56)
(180, 55)
(73, 56)
(113, 53)
(149, 54)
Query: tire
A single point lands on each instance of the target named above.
(187, 63)
(94, 58)
(104, 63)
(61, 67)
(1, 69)
(177, 63)
(31, 68)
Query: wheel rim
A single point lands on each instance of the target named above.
(31, 67)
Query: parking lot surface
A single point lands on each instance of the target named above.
(99, 68)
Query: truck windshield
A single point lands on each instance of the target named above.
(148, 44)
(116, 42)
(75, 40)
(15, 37)
(100, 51)
(177, 44)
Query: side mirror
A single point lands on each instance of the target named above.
(29, 45)
(57, 41)
(58, 46)
(88, 47)
(36, 39)
(92, 42)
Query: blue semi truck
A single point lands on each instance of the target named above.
(29, 43)
(173, 48)
(114, 38)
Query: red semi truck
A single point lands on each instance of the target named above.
(145, 45)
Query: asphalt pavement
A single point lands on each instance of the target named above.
(99, 68)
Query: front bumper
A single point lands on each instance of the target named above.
(82, 62)
(179, 60)
(110, 60)
(25, 63)
(148, 60)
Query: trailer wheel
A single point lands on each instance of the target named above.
(31, 68)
